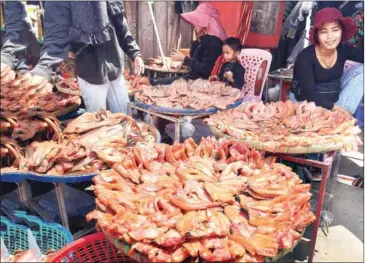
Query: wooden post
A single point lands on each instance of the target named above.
(157, 34)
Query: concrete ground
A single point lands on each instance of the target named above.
(345, 240)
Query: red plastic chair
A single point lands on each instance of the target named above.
(252, 60)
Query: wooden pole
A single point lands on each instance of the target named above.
(157, 34)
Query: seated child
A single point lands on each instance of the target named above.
(231, 71)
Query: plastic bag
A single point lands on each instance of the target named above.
(33, 254)
(200, 130)
(187, 128)
(4, 252)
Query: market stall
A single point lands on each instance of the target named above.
(228, 197)
(36, 146)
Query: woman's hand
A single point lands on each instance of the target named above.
(229, 76)
(138, 65)
(177, 56)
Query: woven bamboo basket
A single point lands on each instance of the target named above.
(124, 247)
(323, 147)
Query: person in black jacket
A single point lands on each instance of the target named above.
(319, 69)
(207, 47)
(98, 33)
(231, 72)
(17, 38)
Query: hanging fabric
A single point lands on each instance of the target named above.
(246, 17)
(217, 66)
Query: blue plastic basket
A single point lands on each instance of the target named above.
(15, 236)
(49, 236)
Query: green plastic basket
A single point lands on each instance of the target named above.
(49, 236)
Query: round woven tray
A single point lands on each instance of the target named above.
(262, 146)
(172, 111)
(124, 248)
(67, 110)
(76, 177)
(164, 70)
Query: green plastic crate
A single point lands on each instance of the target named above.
(49, 236)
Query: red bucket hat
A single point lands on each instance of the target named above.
(331, 14)
(205, 15)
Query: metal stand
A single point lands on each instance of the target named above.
(177, 119)
(326, 167)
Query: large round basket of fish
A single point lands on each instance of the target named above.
(216, 201)
(23, 93)
(288, 127)
(184, 97)
(92, 142)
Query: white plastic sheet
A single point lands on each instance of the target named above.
(4, 252)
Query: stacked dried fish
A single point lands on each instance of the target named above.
(28, 94)
(288, 124)
(57, 159)
(217, 200)
(135, 83)
(91, 142)
(199, 94)
(171, 64)
(69, 86)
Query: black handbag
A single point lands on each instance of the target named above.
(327, 94)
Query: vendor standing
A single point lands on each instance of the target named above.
(15, 44)
(98, 33)
(319, 69)
(207, 47)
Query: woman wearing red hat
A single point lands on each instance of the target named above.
(207, 48)
(319, 68)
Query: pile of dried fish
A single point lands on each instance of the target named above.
(288, 124)
(27, 94)
(171, 64)
(90, 143)
(199, 94)
(69, 86)
(135, 83)
(217, 200)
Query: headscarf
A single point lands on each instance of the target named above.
(208, 17)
